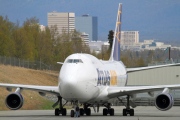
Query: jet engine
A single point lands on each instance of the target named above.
(164, 101)
(14, 101)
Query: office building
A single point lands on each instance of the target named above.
(63, 21)
(85, 38)
(129, 38)
(89, 25)
(98, 46)
(42, 27)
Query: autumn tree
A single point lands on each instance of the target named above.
(6, 42)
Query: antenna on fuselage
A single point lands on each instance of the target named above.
(115, 52)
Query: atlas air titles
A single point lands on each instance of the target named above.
(107, 77)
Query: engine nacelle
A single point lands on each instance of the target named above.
(14, 101)
(164, 101)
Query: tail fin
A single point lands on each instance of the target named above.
(115, 52)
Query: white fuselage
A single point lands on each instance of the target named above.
(86, 78)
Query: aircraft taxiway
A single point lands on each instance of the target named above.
(141, 113)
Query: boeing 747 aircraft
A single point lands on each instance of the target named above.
(86, 80)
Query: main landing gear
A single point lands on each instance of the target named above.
(82, 111)
(108, 110)
(60, 110)
(85, 110)
(128, 110)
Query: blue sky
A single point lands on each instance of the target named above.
(154, 19)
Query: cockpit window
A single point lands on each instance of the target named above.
(74, 61)
(70, 61)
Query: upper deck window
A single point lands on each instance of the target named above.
(74, 61)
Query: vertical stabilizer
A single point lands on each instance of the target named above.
(115, 52)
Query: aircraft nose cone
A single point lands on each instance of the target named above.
(69, 81)
(69, 77)
(68, 86)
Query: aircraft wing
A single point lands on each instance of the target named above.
(131, 90)
(40, 89)
(150, 67)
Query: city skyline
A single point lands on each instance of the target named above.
(153, 19)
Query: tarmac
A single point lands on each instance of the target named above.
(141, 113)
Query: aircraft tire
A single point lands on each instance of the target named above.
(105, 111)
(111, 112)
(124, 112)
(64, 112)
(81, 111)
(56, 112)
(131, 112)
(72, 113)
(88, 112)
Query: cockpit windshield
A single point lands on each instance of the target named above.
(74, 61)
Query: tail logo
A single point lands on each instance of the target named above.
(115, 52)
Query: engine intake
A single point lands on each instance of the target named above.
(164, 101)
(14, 101)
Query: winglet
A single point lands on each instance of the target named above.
(115, 52)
